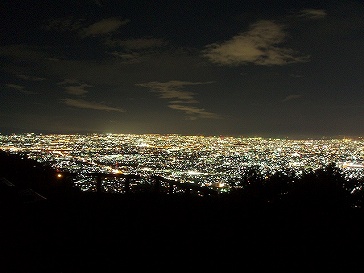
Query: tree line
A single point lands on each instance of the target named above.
(326, 186)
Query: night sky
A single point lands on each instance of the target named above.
(240, 68)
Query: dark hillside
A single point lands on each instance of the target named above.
(70, 231)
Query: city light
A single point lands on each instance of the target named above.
(211, 161)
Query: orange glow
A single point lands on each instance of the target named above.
(116, 171)
(59, 175)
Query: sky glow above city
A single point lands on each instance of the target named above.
(250, 68)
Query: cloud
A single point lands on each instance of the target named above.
(172, 91)
(30, 78)
(16, 86)
(297, 75)
(127, 57)
(103, 27)
(124, 55)
(23, 52)
(193, 112)
(259, 45)
(74, 87)
(78, 103)
(100, 28)
(133, 51)
(19, 88)
(77, 90)
(97, 2)
(292, 97)
(137, 44)
(53, 59)
(69, 81)
(64, 24)
(312, 14)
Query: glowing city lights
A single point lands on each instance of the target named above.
(210, 161)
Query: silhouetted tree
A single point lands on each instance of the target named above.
(279, 184)
(324, 187)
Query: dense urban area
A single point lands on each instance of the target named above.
(210, 161)
(282, 205)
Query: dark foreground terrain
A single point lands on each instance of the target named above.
(70, 231)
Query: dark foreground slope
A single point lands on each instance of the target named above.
(83, 232)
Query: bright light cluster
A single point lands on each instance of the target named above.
(210, 161)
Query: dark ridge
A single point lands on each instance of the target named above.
(47, 226)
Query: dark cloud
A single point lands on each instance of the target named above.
(292, 97)
(64, 24)
(313, 14)
(171, 91)
(15, 86)
(103, 26)
(20, 88)
(79, 103)
(30, 78)
(74, 87)
(194, 113)
(79, 25)
(137, 43)
(23, 52)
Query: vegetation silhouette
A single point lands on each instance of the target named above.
(279, 222)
